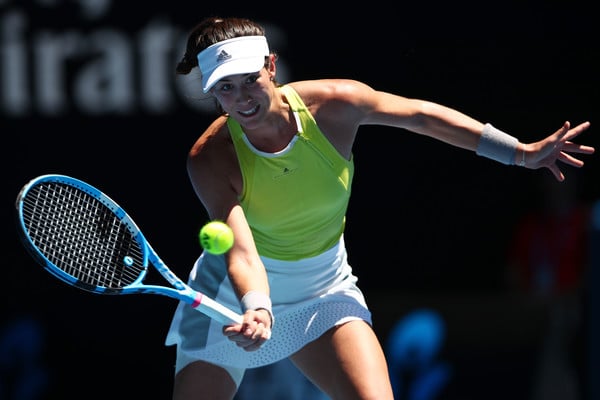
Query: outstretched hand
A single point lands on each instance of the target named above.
(557, 147)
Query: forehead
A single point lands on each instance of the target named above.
(237, 77)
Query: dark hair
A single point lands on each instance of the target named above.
(213, 30)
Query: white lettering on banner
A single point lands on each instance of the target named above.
(95, 72)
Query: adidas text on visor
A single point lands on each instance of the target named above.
(240, 55)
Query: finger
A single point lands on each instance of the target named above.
(230, 332)
(582, 127)
(570, 160)
(257, 344)
(571, 147)
(262, 332)
(579, 129)
(562, 131)
(556, 172)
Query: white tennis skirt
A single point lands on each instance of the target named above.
(309, 297)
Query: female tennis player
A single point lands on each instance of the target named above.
(277, 166)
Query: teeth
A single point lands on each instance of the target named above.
(252, 111)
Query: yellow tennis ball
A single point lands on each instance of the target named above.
(216, 237)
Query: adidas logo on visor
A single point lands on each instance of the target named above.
(223, 55)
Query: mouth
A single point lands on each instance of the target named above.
(249, 113)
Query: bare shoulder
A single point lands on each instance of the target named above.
(336, 99)
(213, 168)
(339, 106)
(332, 90)
(211, 139)
(213, 150)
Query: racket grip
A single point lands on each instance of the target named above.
(215, 310)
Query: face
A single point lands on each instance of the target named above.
(245, 97)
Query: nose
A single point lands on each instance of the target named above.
(243, 95)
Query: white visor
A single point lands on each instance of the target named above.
(241, 55)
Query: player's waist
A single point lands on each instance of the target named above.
(301, 280)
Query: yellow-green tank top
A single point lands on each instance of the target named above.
(295, 200)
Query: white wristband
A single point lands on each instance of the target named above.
(497, 145)
(254, 300)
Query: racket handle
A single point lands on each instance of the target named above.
(215, 310)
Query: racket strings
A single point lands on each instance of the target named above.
(82, 236)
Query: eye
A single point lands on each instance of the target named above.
(224, 87)
(252, 79)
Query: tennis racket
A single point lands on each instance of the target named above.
(82, 237)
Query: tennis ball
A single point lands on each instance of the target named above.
(216, 237)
